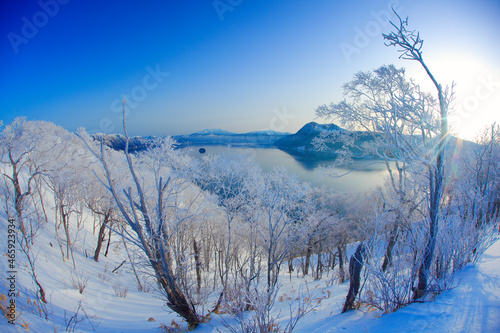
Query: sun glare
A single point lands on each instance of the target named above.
(477, 90)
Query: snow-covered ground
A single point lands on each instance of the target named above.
(473, 306)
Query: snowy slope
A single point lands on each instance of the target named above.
(474, 306)
(111, 302)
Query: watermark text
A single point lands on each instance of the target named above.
(30, 27)
(11, 272)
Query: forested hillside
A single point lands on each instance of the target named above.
(87, 228)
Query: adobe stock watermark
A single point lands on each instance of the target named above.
(224, 6)
(487, 87)
(30, 27)
(138, 93)
(277, 123)
(11, 308)
(101, 300)
(280, 120)
(372, 29)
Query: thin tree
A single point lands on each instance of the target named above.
(284, 203)
(149, 214)
(398, 125)
(410, 44)
(231, 178)
(21, 154)
(355, 266)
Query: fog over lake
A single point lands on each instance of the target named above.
(363, 175)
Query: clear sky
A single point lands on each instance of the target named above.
(239, 65)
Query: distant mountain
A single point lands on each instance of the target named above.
(268, 132)
(218, 137)
(264, 138)
(314, 128)
(298, 144)
(212, 132)
(302, 141)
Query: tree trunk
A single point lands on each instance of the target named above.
(65, 222)
(176, 300)
(39, 190)
(139, 284)
(109, 242)
(425, 267)
(407, 41)
(290, 265)
(198, 265)
(100, 237)
(207, 255)
(319, 267)
(18, 200)
(390, 246)
(334, 260)
(308, 258)
(341, 264)
(269, 269)
(355, 267)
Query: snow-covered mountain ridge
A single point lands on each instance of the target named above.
(268, 138)
(214, 131)
(303, 141)
(218, 136)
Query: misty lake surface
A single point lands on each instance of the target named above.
(363, 175)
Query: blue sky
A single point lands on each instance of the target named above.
(238, 65)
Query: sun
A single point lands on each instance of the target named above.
(476, 102)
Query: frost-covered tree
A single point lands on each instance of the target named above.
(233, 179)
(407, 130)
(483, 183)
(22, 155)
(26, 146)
(102, 205)
(65, 176)
(472, 198)
(284, 203)
(410, 44)
(336, 220)
(402, 121)
(155, 201)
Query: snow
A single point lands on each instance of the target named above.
(473, 306)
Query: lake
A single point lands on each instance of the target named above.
(363, 175)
